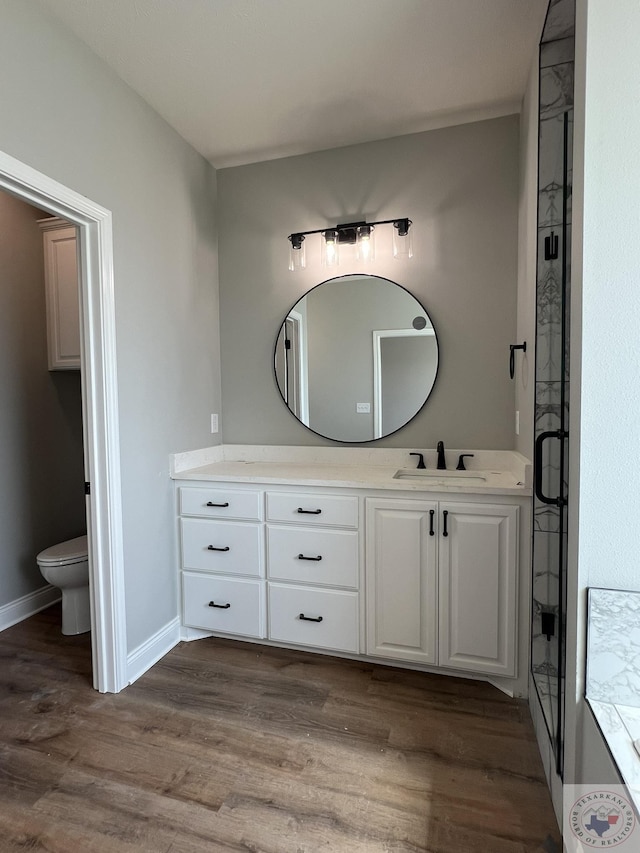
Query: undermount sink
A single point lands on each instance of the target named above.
(457, 478)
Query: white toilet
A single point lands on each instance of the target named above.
(67, 566)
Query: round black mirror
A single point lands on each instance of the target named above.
(356, 358)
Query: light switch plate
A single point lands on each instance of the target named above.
(214, 423)
(363, 408)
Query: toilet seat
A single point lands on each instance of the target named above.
(71, 551)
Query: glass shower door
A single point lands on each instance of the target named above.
(551, 459)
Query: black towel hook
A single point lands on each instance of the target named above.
(512, 357)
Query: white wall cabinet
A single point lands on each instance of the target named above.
(62, 294)
(439, 578)
(442, 584)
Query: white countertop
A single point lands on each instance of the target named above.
(505, 472)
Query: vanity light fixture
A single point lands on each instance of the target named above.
(402, 242)
(297, 254)
(350, 233)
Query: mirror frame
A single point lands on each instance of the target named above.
(275, 350)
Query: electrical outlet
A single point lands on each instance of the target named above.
(517, 423)
(363, 408)
(214, 423)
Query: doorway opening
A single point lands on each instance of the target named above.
(399, 355)
(99, 409)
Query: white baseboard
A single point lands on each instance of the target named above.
(143, 658)
(188, 634)
(22, 608)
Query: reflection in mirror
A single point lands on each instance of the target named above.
(356, 358)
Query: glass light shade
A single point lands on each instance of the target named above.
(365, 244)
(402, 241)
(297, 254)
(330, 251)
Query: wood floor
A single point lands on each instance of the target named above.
(228, 746)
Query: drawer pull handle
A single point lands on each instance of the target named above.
(213, 548)
(309, 511)
(445, 513)
(211, 503)
(221, 606)
(432, 512)
(310, 618)
(302, 557)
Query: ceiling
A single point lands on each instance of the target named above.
(251, 80)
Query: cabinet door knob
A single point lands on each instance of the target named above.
(445, 513)
(213, 548)
(309, 511)
(211, 503)
(221, 606)
(302, 557)
(310, 618)
(432, 512)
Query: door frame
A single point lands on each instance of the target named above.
(100, 410)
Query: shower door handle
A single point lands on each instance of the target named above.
(537, 464)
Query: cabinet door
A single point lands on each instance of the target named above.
(402, 596)
(478, 584)
(63, 312)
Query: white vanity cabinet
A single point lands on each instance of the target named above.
(442, 583)
(222, 549)
(62, 293)
(313, 570)
(432, 579)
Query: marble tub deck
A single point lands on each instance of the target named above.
(613, 677)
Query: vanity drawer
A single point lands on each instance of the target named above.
(221, 503)
(240, 604)
(305, 555)
(218, 546)
(336, 613)
(309, 508)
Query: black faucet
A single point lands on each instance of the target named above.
(420, 459)
(442, 463)
(461, 458)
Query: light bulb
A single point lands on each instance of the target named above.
(365, 246)
(330, 255)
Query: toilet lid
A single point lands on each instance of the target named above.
(65, 552)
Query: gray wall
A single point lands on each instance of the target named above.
(527, 248)
(41, 487)
(459, 185)
(402, 388)
(67, 115)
